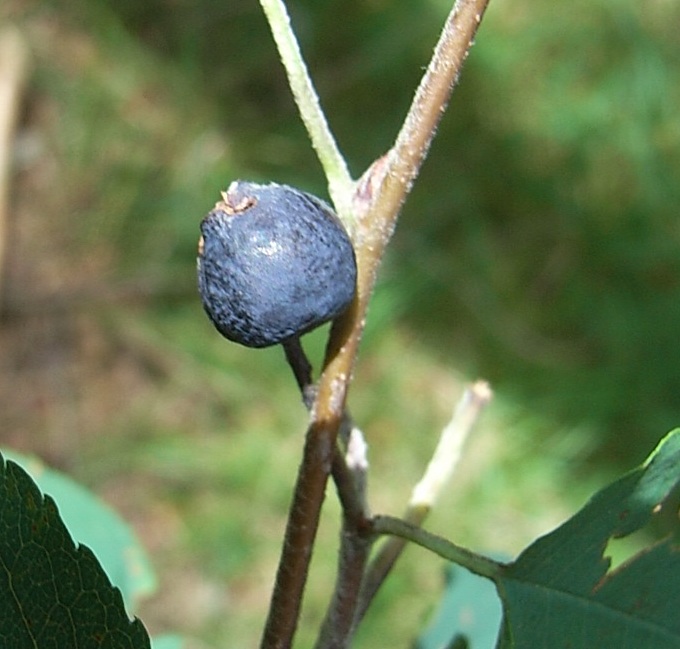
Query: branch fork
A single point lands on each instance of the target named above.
(369, 209)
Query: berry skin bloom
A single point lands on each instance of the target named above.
(273, 264)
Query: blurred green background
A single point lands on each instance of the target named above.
(540, 249)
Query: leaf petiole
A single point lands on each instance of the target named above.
(476, 563)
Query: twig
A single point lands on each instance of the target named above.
(302, 369)
(427, 491)
(349, 472)
(13, 70)
(319, 456)
(350, 482)
(434, 91)
(349, 477)
(356, 456)
(356, 542)
(375, 204)
(303, 522)
(477, 563)
(340, 621)
(447, 454)
(340, 184)
(388, 181)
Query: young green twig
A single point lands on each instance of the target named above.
(340, 184)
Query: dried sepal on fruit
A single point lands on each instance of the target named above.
(273, 263)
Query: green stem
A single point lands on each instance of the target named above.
(477, 563)
(340, 184)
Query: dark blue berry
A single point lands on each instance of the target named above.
(273, 264)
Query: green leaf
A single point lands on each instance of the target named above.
(469, 607)
(52, 593)
(93, 523)
(560, 592)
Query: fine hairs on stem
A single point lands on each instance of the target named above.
(369, 209)
(340, 183)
